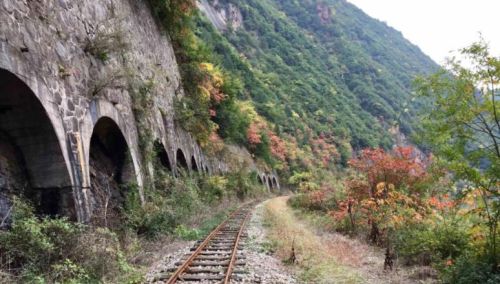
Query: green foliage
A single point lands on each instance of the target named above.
(462, 127)
(174, 201)
(152, 219)
(192, 234)
(186, 233)
(339, 78)
(163, 210)
(105, 43)
(192, 110)
(263, 149)
(304, 181)
(333, 77)
(471, 268)
(56, 250)
(315, 201)
(244, 184)
(233, 124)
(426, 244)
(213, 188)
(142, 98)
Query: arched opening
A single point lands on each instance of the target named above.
(194, 165)
(162, 155)
(181, 160)
(110, 168)
(32, 163)
(269, 183)
(275, 182)
(259, 179)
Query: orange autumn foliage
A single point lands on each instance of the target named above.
(278, 149)
(441, 202)
(253, 134)
(386, 196)
(402, 167)
(325, 150)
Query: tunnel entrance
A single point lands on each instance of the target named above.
(259, 179)
(31, 158)
(275, 183)
(162, 155)
(181, 161)
(194, 166)
(111, 168)
(269, 183)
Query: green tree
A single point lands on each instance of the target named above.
(462, 127)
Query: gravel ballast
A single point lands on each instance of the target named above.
(260, 267)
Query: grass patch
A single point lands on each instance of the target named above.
(191, 234)
(315, 261)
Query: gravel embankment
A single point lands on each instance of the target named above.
(261, 267)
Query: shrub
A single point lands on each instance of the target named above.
(432, 243)
(57, 250)
(317, 200)
(35, 242)
(213, 188)
(242, 184)
(471, 268)
(174, 201)
(186, 233)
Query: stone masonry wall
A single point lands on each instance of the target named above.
(80, 59)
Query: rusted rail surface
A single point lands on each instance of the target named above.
(215, 258)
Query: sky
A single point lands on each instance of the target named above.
(439, 26)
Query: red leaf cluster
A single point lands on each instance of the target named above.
(325, 150)
(441, 203)
(253, 134)
(403, 166)
(278, 148)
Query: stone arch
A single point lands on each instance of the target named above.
(35, 149)
(181, 161)
(269, 182)
(275, 182)
(194, 165)
(162, 155)
(111, 167)
(99, 109)
(260, 180)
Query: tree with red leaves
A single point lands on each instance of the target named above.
(387, 195)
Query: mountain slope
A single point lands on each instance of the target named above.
(319, 68)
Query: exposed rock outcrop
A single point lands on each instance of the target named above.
(221, 16)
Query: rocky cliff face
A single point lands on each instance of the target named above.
(74, 76)
(222, 16)
(324, 12)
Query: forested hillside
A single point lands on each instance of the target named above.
(321, 72)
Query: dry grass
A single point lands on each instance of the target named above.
(325, 257)
(316, 262)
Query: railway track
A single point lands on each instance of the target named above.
(216, 259)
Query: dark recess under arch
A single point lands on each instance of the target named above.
(181, 160)
(194, 165)
(31, 158)
(162, 155)
(110, 167)
(259, 179)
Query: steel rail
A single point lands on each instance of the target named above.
(177, 274)
(230, 267)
